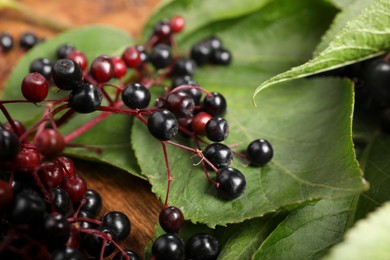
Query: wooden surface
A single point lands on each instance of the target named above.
(120, 191)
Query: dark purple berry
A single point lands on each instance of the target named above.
(64, 50)
(93, 202)
(217, 129)
(68, 253)
(119, 223)
(201, 53)
(6, 42)
(221, 57)
(214, 42)
(67, 74)
(196, 93)
(168, 247)
(9, 145)
(163, 125)
(143, 53)
(219, 155)
(93, 244)
(131, 254)
(28, 40)
(161, 56)
(57, 230)
(136, 96)
(214, 104)
(183, 67)
(201, 247)
(42, 66)
(171, 219)
(232, 183)
(259, 152)
(61, 201)
(27, 208)
(180, 103)
(86, 224)
(162, 29)
(376, 77)
(85, 99)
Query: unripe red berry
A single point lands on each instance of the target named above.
(35, 87)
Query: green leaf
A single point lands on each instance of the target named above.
(113, 133)
(368, 239)
(312, 160)
(201, 13)
(309, 231)
(365, 36)
(376, 167)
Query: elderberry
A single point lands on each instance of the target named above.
(85, 99)
(221, 57)
(201, 53)
(35, 87)
(168, 247)
(42, 66)
(61, 201)
(78, 57)
(131, 254)
(67, 74)
(63, 50)
(27, 208)
(9, 145)
(102, 69)
(6, 42)
(163, 125)
(136, 96)
(57, 230)
(183, 67)
(50, 175)
(232, 183)
(259, 152)
(171, 219)
(177, 23)
(180, 103)
(50, 142)
(217, 129)
(93, 202)
(93, 244)
(218, 154)
(201, 247)
(28, 40)
(119, 223)
(214, 104)
(133, 56)
(160, 56)
(68, 253)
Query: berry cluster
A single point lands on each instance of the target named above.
(184, 107)
(27, 40)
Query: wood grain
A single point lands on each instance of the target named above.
(120, 190)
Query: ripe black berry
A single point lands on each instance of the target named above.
(28, 40)
(102, 69)
(221, 57)
(186, 80)
(57, 230)
(180, 103)
(42, 66)
(64, 50)
(217, 129)
(214, 42)
(162, 29)
(86, 224)
(68, 253)
(201, 53)
(6, 42)
(85, 99)
(131, 254)
(143, 53)
(168, 247)
(219, 155)
(232, 183)
(67, 74)
(171, 219)
(27, 208)
(93, 202)
(201, 247)
(61, 201)
(92, 243)
(259, 152)
(9, 145)
(136, 96)
(376, 77)
(119, 223)
(184, 67)
(161, 56)
(35, 87)
(214, 104)
(163, 125)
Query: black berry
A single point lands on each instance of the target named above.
(136, 96)
(163, 125)
(201, 247)
(93, 202)
(218, 154)
(160, 56)
(171, 219)
(214, 104)
(184, 66)
(67, 74)
(259, 152)
(217, 129)
(168, 247)
(28, 40)
(180, 103)
(9, 145)
(42, 66)
(85, 99)
(119, 223)
(232, 183)
(6, 42)
(64, 50)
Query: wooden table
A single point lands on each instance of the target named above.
(120, 190)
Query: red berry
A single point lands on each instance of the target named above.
(78, 57)
(119, 67)
(132, 57)
(35, 87)
(27, 159)
(50, 142)
(171, 219)
(199, 122)
(67, 166)
(177, 23)
(51, 174)
(76, 187)
(102, 69)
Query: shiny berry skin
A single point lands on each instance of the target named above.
(259, 152)
(199, 122)
(50, 142)
(221, 57)
(28, 40)
(218, 154)
(168, 247)
(61, 201)
(119, 223)
(50, 174)
(163, 125)
(180, 103)
(136, 96)
(67, 165)
(171, 219)
(186, 80)
(35, 87)
(93, 244)
(64, 50)
(177, 23)
(76, 187)
(131, 254)
(9, 145)
(143, 53)
(201, 247)
(119, 67)
(67, 74)
(85, 99)
(20, 128)
(42, 66)
(162, 29)
(6, 42)
(57, 230)
(93, 202)
(68, 253)
(102, 69)
(86, 224)
(214, 104)
(27, 208)
(6, 195)
(27, 159)
(217, 129)
(161, 56)
(376, 77)
(79, 58)
(214, 42)
(132, 57)
(184, 67)
(232, 183)
(201, 53)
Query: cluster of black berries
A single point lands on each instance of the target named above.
(184, 107)
(27, 40)
(46, 209)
